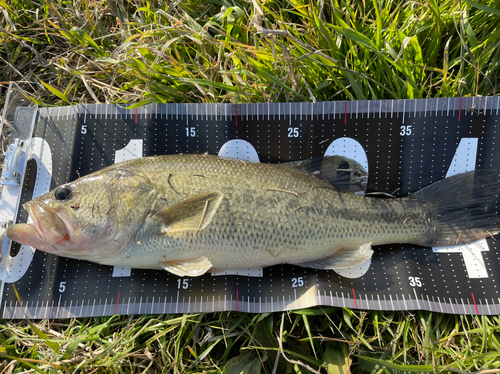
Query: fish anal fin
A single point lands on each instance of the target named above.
(187, 268)
(343, 259)
(191, 214)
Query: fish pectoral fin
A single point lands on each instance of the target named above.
(342, 259)
(192, 214)
(187, 268)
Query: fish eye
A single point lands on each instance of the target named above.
(62, 193)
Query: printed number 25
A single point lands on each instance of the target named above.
(293, 132)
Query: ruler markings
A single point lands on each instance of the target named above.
(236, 114)
(474, 301)
(177, 303)
(404, 111)
(451, 304)
(432, 306)
(58, 304)
(459, 109)
(117, 300)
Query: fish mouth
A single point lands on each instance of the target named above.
(46, 230)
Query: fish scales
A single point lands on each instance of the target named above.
(189, 214)
(270, 214)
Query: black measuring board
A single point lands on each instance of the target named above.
(404, 145)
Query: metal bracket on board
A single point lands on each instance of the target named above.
(12, 170)
(19, 117)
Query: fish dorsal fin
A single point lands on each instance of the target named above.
(341, 172)
(342, 259)
(191, 214)
(187, 268)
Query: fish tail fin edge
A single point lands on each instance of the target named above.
(460, 207)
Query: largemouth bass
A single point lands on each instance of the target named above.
(189, 214)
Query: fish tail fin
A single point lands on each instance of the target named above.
(460, 207)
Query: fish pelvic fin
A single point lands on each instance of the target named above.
(187, 268)
(342, 259)
(191, 214)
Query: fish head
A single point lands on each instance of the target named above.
(93, 218)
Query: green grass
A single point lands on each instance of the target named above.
(251, 51)
(334, 339)
(221, 51)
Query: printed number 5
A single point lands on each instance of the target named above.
(62, 287)
(84, 129)
(415, 281)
